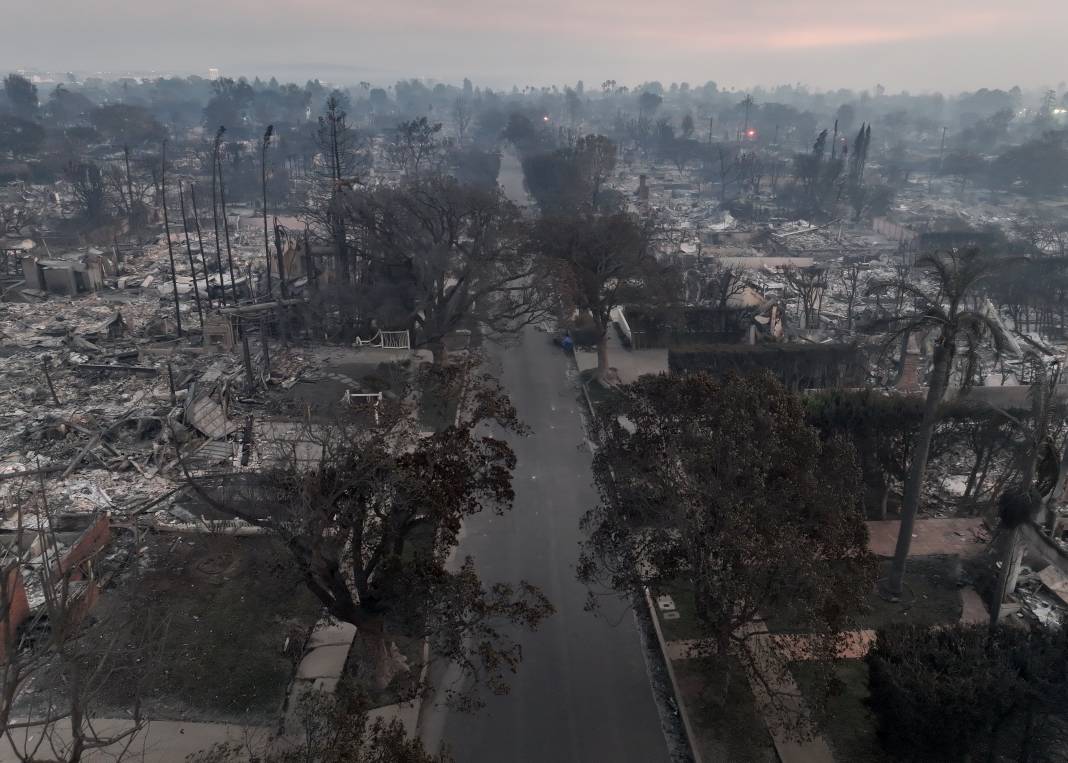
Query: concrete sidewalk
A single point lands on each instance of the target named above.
(629, 364)
(964, 537)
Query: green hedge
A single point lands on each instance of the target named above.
(797, 365)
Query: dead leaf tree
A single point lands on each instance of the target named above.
(853, 281)
(599, 262)
(415, 146)
(370, 512)
(60, 667)
(808, 284)
(462, 114)
(451, 256)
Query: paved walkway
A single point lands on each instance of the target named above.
(973, 609)
(963, 537)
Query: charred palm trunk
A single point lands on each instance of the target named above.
(943, 361)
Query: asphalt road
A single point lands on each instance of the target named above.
(582, 692)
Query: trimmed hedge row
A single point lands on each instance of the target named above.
(797, 365)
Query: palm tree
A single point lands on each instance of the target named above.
(960, 331)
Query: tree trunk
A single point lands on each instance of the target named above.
(380, 652)
(1011, 556)
(440, 353)
(943, 360)
(1012, 551)
(602, 354)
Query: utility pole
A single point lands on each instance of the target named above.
(189, 252)
(941, 151)
(226, 232)
(281, 259)
(266, 242)
(200, 242)
(215, 212)
(283, 313)
(167, 233)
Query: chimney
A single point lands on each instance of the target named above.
(643, 189)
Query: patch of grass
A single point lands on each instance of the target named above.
(728, 728)
(686, 626)
(932, 596)
(229, 604)
(598, 392)
(394, 378)
(850, 726)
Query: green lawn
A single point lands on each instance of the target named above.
(727, 728)
(225, 607)
(850, 727)
(598, 392)
(931, 597)
(684, 627)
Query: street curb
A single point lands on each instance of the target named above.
(690, 735)
(683, 712)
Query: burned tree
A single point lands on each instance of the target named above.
(808, 284)
(343, 162)
(59, 665)
(415, 145)
(90, 189)
(853, 281)
(462, 113)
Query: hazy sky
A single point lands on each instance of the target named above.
(904, 44)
